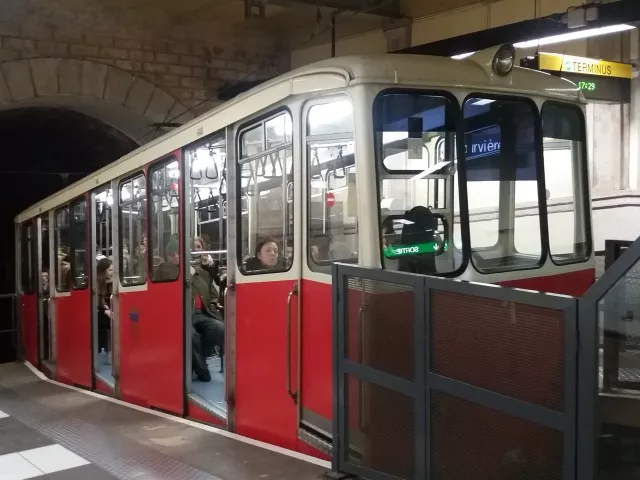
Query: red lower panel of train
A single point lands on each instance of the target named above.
(73, 338)
(151, 347)
(29, 327)
(572, 283)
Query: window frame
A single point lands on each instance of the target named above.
(247, 125)
(130, 177)
(56, 246)
(72, 249)
(583, 171)
(153, 167)
(540, 180)
(461, 173)
(32, 259)
(324, 267)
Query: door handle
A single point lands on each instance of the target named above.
(294, 291)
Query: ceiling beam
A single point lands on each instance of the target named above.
(383, 8)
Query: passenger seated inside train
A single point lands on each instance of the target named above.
(266, 256)
(104, 273)
(207, 320)
(169, 269)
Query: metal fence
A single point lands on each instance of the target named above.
(609, 369)
(8, 328)
(442, 379)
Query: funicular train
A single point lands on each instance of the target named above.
(473, 169)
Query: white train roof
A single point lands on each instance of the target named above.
(472, 73)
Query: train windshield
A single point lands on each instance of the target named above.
(416, 135)
(504, 182)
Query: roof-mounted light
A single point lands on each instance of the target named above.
(504, 60)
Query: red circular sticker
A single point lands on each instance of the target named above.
(331, 199)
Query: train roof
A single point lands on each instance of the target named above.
(472, 73)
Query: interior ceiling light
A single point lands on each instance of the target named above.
(564, 37)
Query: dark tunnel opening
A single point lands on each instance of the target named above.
(43, 151)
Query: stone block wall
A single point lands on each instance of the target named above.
(190, 59)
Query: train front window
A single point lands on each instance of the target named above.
(502, 169)
(565, 174)
(418, 194)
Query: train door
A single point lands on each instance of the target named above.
(28, 297)
(46, 322)
(150, 310)
(73, 325)
(102, 291)
(205, 253)
(266, 292)
(331, 234)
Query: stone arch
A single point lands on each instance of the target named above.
(124, 101)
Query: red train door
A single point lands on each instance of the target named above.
(73, 319)
(27, 293)
(267, 282)
(150, 306)
(331, 234)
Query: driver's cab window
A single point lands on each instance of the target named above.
(417, 182)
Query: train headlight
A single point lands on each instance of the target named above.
(504, 60)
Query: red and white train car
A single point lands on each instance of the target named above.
(473, 169)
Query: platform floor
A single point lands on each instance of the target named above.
(53, 432)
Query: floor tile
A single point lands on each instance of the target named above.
(15, 436)
(86, 472)
(3, 415)
(14, 467)
(53, 458)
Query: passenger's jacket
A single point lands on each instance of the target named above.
(202, 278)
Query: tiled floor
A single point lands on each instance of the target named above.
(56, 433)
(26, 453)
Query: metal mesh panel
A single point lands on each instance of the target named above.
(472, 442)
(513, 349)
(380, 326)
(380, 433)
(619, 312)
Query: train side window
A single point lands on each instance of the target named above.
(265, 177)
(331, 178)
(133, 231)
(80, 254)
(62, 246)
(415, 146)
(565, 172)
(501, 161)
(164, 239)
(27, 258)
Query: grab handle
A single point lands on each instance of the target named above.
(292, 394)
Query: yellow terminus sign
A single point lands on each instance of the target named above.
(556, 62)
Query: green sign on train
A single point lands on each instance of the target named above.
(393, 251)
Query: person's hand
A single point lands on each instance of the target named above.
(107, 312)
(206, 260)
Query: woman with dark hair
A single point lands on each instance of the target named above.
(266, 256)
(104, 271)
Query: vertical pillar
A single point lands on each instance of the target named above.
(634, 115)
(610, 124)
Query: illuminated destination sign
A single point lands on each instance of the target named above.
(597, 79)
